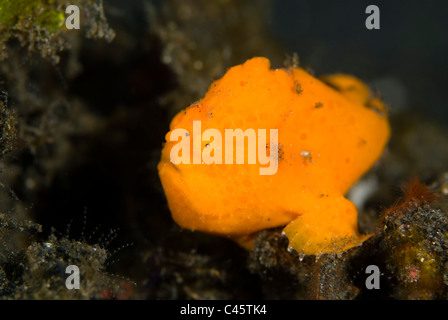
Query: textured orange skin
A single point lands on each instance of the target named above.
(343, 138)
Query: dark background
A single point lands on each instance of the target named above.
(411, 47)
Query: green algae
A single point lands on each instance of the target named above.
(45, 14)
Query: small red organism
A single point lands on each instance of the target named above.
(413, 274)
(415, 194)
(123, 293)
(418, 192)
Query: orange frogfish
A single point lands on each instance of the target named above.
(269, 148)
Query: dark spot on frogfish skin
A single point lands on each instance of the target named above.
(298, 87)
(362, 143)
(280, 152)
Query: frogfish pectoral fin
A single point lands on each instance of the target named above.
(333, 230)
(245, 241)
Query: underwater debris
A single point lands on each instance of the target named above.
(40, 25)
(8, 126)
(197, 57)
(32, 267)
(288, 275)
(410, 246)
